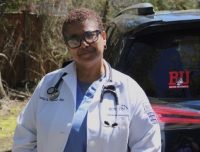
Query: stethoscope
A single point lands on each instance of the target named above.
(53, 92)
(110, 88)
(107, 88)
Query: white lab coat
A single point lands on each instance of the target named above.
(44, 126)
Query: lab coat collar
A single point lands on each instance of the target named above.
(110, 75)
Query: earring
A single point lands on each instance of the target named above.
(105, 47)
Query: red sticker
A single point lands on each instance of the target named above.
(179, 79)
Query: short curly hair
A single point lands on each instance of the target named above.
(79, 15)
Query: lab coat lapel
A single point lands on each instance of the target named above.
(71, 79)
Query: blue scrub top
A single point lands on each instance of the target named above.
(77, 141)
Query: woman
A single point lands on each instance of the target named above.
(87, 106)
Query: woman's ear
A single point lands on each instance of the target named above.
(103, 33)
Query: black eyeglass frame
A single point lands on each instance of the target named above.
(83, 38)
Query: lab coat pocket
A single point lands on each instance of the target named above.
(112, 115)
(115, 125)
(115, 132)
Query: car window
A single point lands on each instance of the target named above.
(166, 65)
(115, 44)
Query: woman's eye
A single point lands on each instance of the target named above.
(89, 35)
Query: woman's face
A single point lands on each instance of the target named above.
(85, 42)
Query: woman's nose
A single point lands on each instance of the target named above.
(84, 43)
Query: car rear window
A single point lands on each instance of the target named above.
(166, 65)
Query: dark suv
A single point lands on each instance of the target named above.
(161, 51)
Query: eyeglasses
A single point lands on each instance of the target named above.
(74, 41)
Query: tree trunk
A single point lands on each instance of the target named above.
(198, 3)
(2, 91)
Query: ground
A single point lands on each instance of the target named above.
(9, 110)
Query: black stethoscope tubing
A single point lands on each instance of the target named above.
(109, 89)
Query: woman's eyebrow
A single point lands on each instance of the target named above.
(79, 35)
(74, 35)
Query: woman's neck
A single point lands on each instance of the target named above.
(90, 73)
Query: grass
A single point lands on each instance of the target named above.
(9, 110)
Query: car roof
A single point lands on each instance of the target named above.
(170, 16)
(127, 22)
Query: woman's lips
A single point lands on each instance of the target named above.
(86, 52)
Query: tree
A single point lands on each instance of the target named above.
(2, 91)
(9, 50)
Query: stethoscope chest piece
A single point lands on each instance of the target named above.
(53, 93)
